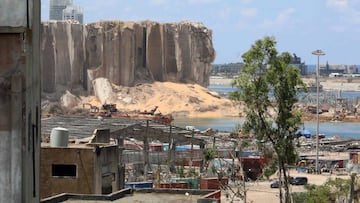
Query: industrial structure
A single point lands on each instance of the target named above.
(121, 129)
(104, 164)
(90, 166)
(233, 69)
(337, 69)
(296, 61)
(19, 100)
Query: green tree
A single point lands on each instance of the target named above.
(314, 194)
(334, 190)
(268, 87)
(339, 187)
(209, 154)
(270, 169)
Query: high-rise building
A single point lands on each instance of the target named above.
(65, 10)
(57, 7)
(73, 13)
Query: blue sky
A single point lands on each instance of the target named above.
(299, 26)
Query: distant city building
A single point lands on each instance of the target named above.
(296, 61)
(229, 69)
(73, 13)
(233, 69)
(65, 10)
(57, 7)
(328, 69)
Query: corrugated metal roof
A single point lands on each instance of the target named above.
(80, 127)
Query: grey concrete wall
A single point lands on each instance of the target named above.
(154, 48)
(17, 15)
(63, 58)
(11, 123)
(170, 51)
(19, 100)
(48, 60)
(106, 173)
(126, 53)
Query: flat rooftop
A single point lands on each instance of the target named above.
(152, 195)
(149, 198)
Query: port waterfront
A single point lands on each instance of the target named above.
(347, 130)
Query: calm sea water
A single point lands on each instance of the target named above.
(343, 129)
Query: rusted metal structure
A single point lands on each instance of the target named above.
(110, 110)
(121, 128)
(19, 100)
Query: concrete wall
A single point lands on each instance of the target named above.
(11, 98)
(17, 17)
(106, 170)
(126, 53)
(97, 170)
(19, 100)
(63, 55)
(83, 158)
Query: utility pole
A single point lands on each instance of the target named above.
(318, 53)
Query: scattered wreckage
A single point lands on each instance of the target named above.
(110, 110)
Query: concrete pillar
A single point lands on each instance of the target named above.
(147, 166)
(171, 151)
(121, 165)
(202, 146)
(19, 100)
(192, 149)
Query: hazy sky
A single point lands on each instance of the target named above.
(299, 26)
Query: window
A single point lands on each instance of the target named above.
(64, 170)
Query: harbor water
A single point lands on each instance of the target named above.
(226, 89)
(346, 130)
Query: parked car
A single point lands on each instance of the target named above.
(299, 181)
(275, 184)
(292, 181)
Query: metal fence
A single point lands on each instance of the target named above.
(158, 157)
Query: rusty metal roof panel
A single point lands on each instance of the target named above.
(80, 127)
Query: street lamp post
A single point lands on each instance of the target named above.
(318, 53)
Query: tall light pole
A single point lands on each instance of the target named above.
(318, 53)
